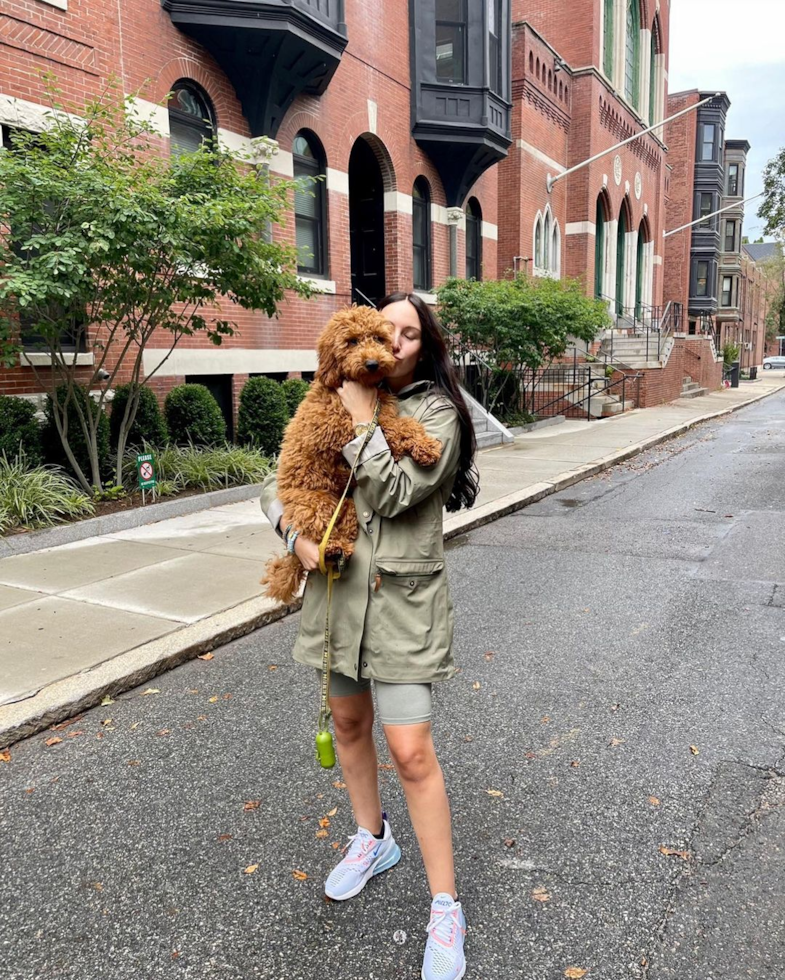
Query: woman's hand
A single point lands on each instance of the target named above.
(358, 401)
(308, 553)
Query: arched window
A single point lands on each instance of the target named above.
(561, 90)
(621, 260)
(538, 242)
(473, 240)
(531, 62)
(310, 223)
(556, 251)
(599, 249)
(421, 234)
(550, 80)
(538, 69)
(607, 39)
(632, 58)
(546, 241)
(654, 80)
(191, 118)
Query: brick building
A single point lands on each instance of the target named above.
(404, 107)
(585, 77)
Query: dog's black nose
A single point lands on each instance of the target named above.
(371, 365)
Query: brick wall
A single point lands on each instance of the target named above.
(680, 135)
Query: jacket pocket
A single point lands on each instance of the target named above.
(407, 566)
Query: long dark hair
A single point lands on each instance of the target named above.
(437, 367)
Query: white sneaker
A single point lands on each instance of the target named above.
(367, 856)
(444, 959)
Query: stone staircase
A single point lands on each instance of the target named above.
(630, 350)
(691, 389)
(488, 430)
(601, 405)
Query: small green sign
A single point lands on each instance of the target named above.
(145, 468)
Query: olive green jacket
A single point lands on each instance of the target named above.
(392, 617)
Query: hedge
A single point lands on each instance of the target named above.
(20, 430)
(193, 416)
(149, 425)
(263, 415)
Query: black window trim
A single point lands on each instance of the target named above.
(422, 203)
(464, 28)
(313, 168)
(208, 128)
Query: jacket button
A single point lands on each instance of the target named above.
(365, 663)
(370, 530)
(366, 513)
(411, 582)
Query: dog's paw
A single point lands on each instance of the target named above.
(426, 451)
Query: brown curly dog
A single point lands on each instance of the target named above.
(355, 345)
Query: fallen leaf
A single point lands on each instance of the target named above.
(107, 700)
(30, 789)
(575, 763)
(494, 792)
(98, 886)
(476, 685)
(164, 731)
(223, 837)
(53, 741)
(320, 796)
(272, 666)
(324, 822)
(134, 762)
(205, 656)
(386, 765)
(250, 869)
(193, 690)
(540, 894)
(227, 696)
(331, 813)
(468, 738)
(73, 734)
(175, 954)
(489, 655)
(108, 721)
(509, 842)
(213, 699)
(339, 785)
(134, 726)
(545, 719)
(616, 741)
(673, 852)
(575, 972)
(201, 717)
(654, 801)
(695, 750)
(321, 833)
(615, 707)
(101, 734)
(151, 690)
(65, 724)
(5, 756)
(299, 875)
(252, 805)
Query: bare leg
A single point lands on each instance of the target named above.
(418, 768)
(353, 721)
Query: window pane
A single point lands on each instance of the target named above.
(184, 138)
(705, 208)
(302, 147)
(707, 147)
(730, 236)
(419, 269)
(449, 53)
(450, 10)
(702, 278)
(607, 31)
(307, 245)
(733, 179)
(306, 202)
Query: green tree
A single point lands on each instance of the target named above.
(71, 410)
(773, 207)
(148, 425)
(517, 325)
(111, 243)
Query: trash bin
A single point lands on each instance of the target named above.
(754, 373)
(734, 374)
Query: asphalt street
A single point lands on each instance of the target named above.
(614, 747)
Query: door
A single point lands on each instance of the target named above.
(366, 224)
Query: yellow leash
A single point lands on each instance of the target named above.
(325, 751)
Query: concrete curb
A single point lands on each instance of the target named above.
(68, 697)
(53, 537)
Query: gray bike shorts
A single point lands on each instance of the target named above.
(398, 704)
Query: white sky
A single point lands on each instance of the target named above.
(736, 46)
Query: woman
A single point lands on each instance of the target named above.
(392, 620)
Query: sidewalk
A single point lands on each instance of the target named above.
(104, 614)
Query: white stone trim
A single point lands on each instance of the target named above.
(338, 181)
(282, 162)
(580, 228)
(539, 155)
(656, 259)
(321, 285)
(396, 201)
(260, 148)
(60, 4)
(429, 298)
(22, 114)
(228, 360)
(457, 217)
(155, 115)
(373, 116)
(439, 214)
(489, 230)
(44, 359)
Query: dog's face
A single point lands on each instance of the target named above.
(356, 345)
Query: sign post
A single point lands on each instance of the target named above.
(145, 469)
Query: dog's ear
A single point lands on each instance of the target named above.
(328, 371)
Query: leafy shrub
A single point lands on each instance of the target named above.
(79, 399)
(730, 353)
(37, 496)
(19, 428)
(149, 424)
(184, 467)
(263, 415)
(294, 390)
(193, 416)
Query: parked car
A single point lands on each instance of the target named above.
(773, 362)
